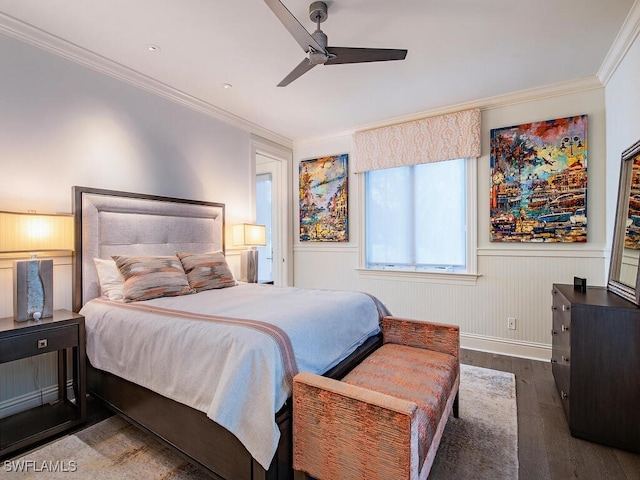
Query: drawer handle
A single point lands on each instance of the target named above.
(565, 359)
(563, 395)
(553, 360)
(565, 328)
(553, 332)
(566, 308)
(43, 343)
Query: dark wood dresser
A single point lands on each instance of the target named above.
(596, 364)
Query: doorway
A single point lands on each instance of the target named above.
(268, 185)
(273, 209)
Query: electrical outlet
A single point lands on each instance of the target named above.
(511, 323)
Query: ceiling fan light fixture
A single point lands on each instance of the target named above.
(315, 44)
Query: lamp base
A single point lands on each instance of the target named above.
(249, 266)
(32, 290)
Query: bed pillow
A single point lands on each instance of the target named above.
(110, 278)
(148, 277)
(206, 271)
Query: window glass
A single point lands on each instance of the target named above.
(416, 217)
(388, 219)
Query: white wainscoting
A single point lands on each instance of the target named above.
(28, 383)
(512, 283)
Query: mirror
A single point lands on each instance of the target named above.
(625, 250)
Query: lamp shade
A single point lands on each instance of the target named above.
(26, 232)
(246, 234)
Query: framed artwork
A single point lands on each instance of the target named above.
(539, 181)
(323, 199)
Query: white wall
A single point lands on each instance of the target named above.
(62, 124)
(515, 280)
(622, 100)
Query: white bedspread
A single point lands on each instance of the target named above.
(236, 374)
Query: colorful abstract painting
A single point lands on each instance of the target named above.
(539, 181)
(323, 199)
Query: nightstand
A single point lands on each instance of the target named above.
(61, 333)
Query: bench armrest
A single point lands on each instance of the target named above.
(438, 337)
(364, 419)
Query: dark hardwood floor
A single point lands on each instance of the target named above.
(546, 449)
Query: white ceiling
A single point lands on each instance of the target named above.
(459, 51)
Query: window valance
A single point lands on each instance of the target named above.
(433, 139)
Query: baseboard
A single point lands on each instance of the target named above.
(503, 346)
(33, 399)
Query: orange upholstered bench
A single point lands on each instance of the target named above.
(383, 420)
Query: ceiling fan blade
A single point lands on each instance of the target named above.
(295, 28)
(361, 55)
(303, 67)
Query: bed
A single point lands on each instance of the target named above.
(260, 324)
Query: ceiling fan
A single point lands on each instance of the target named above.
(315, 44)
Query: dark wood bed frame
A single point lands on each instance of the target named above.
(195, 436)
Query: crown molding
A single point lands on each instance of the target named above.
(621, 45)
(499, 101)
(36, 37)
(321, 141)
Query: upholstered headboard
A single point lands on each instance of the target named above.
(120, 223)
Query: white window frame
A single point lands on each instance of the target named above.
(470, 275)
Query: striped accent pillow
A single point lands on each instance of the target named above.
(152, 277)
(206, 271)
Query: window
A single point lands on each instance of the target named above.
(416, 217)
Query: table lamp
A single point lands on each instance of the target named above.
(33, 279)
(249, 235)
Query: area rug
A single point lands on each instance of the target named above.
(481, 444)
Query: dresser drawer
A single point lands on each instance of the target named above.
(561, 332)
(562, 375)
(561, 356)
(35, 343)
(561, 308)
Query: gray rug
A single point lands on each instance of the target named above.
(481, 444)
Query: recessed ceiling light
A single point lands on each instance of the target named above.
(227, 85)
(153, 48)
